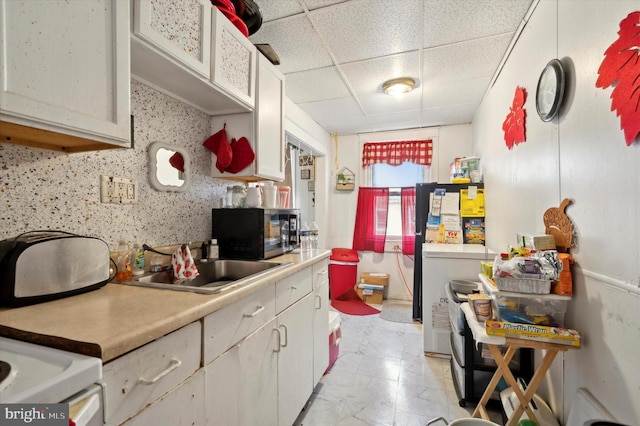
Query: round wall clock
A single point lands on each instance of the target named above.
(550, 90)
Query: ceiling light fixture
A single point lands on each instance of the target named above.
(398, 86)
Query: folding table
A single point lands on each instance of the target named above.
(512, 344)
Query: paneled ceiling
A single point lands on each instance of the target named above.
(335, 55)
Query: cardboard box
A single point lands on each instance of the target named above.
(375, 278)
(369, 295)
(561, 336)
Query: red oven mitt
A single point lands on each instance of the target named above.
(219, 145)
(177, 161)
(243, 155)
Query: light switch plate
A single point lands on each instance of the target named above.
(118, 190)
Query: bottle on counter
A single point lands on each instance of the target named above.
(123, 261)
(214, 252)
(305, 235)
(137, 260)
(313, 236)
(228, 197)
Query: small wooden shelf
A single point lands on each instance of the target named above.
(345, 180)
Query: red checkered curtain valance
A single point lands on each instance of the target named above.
(396, 153)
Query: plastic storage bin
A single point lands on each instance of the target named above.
(529, 309)
(343, 270)
(335, 334)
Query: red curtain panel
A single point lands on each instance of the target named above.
(370, 230)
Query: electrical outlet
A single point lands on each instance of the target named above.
(118, 190)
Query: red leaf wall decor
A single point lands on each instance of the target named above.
(620, 68)
(513, 126)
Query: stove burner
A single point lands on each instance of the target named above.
(7, 375)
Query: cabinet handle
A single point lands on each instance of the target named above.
(286, 335)
(279, 339)
(323, 272)
(319, 299)
(175, 363)
(293, 287)
(259, 309)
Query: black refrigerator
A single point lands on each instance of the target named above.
(423, 191)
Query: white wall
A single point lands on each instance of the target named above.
(449, 142)
(581, 156)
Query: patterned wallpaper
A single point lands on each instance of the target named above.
(50, 190)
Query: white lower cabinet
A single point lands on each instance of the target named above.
(295, 359)
(139, 378)
(183, 406)
(320, 320)
(267, 377)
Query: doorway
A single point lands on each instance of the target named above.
(300, 174)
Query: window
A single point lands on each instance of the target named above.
(394, 178)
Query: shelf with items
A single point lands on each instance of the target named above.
(345, 180)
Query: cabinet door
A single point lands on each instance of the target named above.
(222, 394)
(65, 69)
(183, 406)
(241, 385)
(320, 320)
(233, 60)
(295, 360)
(259, 377)
(182, 31)
(269, 121)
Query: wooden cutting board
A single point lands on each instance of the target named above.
(557, 223)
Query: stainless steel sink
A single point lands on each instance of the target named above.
(215, 276)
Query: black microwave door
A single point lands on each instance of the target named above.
(239, 233)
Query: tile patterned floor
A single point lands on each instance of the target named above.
(382, 377)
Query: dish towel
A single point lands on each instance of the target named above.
(184, 268)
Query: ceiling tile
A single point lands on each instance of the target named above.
(324, 110)
(380, 103)
(315, 85)
(363, 29)
(395, 121)
(276, 9)
(454, 93)
(295, 42)
(449, 21)
(318, 4)
(444, 116)
(470, 59)
(366, 77)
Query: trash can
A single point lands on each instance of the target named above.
(343, 270)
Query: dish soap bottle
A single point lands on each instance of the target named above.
(137, 260)
(124, 262)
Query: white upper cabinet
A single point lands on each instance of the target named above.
(270, 121)
(191, 51)
(263, 128)
(181, 30)
(233, 61)
(65, 72)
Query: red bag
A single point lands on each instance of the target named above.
(243, 155)
(219, 145)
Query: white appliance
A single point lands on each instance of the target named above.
(440, 264)
(34, 374)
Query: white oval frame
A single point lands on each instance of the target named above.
(153, 168)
